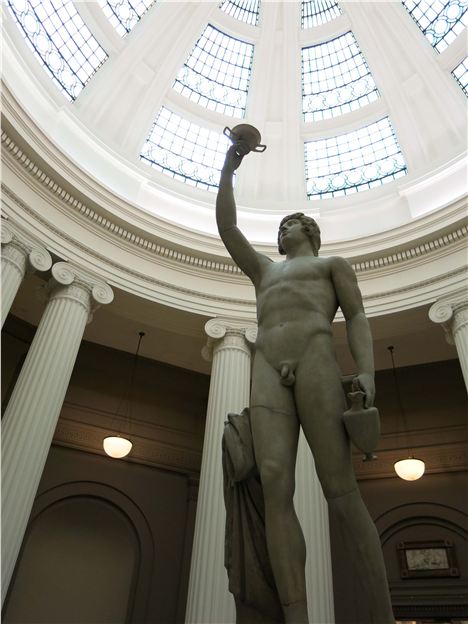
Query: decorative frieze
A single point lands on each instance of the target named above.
(409, 253)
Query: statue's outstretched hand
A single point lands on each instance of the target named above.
(366, 383)
(234, 156)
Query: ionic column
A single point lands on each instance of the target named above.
(452, 313)
(209, 601)
(312, 511)
(19, 254)
(34, 407)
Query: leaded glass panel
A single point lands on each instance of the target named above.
(185, 151)
(60, 40)
(351, 162)
(440, 22)
(461, 74)
(124, 14)
(317, 12)
(217, 73)
(244, 10)
(335, 79)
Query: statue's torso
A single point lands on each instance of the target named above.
(296, 303)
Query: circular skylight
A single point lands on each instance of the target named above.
(344, 106)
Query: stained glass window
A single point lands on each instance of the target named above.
(461, 74)
(244, 10)
(317, 12)
(124, 14)
(440, 22)
(60, 40)
(335, 79)
(351, 162)
(185, 151)
(217, 73)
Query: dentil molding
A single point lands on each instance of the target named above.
(220, 265)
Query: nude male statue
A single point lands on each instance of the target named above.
(296, 383)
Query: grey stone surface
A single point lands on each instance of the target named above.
(296, 382)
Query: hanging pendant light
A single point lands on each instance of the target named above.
(118, 446)
(410, 468)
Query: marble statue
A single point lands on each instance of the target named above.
(296, 383)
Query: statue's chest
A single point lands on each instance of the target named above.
(298, 270)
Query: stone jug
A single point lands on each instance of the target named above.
(362, 424)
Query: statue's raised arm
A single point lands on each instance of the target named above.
(241, 251)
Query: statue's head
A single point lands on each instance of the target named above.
(309, 226)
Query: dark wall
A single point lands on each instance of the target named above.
(110, 540)
(150, 510)
(429, 511)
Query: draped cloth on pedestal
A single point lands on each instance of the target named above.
(246, 557)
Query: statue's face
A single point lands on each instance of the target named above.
(292, 234)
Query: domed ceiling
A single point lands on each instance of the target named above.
(361, 105)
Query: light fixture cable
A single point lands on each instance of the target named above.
(411, 468)
(118, 446)
(400, 402)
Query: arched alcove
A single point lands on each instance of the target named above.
(89, 546)
(429, 530)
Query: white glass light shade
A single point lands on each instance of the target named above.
(410, 469)
(117, 447)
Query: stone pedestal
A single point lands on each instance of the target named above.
(209, 601)
(312, 511)
(34, 407)
(19, 254)
(452, 313)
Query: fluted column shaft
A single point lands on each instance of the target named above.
(19, 254)
(209, 601)
(34, 407)
(452, 313)
(312, 511)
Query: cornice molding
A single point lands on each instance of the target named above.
(451, 457)
(86, 437)
(409, 253)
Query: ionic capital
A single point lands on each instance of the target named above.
(23, 251)
(452, 313)
(228, 333)
(74, 283)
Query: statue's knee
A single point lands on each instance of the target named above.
(276, 482)
(342, 502)
(338, 493)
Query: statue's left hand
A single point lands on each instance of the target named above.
(366, 383)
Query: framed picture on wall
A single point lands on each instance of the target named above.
(427, 559)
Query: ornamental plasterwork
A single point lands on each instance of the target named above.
(189, 259)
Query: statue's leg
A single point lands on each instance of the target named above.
(275, 432)
(320, 403)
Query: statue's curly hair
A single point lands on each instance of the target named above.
(309, 226)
